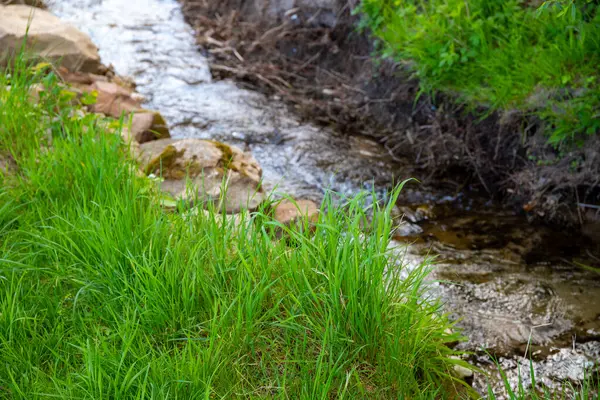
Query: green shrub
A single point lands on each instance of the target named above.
(504, 54)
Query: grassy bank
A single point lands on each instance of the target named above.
(502, 54)
(105, 295)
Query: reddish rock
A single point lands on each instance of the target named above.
(79, 78)
(288, 211)
(113, 100)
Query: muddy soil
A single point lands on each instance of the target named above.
(506, 281)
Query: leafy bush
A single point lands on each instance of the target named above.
(504, 54)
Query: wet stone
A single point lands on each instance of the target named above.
(405, 229)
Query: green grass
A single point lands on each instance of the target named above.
(585, 390)
(104, 295)
(502, 54)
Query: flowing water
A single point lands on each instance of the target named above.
(149, 41)
(509, 283)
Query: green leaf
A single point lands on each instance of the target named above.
(89, 98)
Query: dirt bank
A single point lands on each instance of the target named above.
(324, 68)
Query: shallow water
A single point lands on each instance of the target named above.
(519, 292)
(511, 282)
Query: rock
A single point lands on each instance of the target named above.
(79, 78)
(288, 212)
(461, 372)
(35, 91)
(48, 38)
(422, 213)
(116, 97)
(407, 220)
(126, 82)
(147, 125)
(407, 229)
(133, 146)
(405, 213)
(113, 100)
(452, 340)
(207, 164)
(425, 212)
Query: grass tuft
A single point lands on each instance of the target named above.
(105, 295)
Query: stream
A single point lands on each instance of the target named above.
(513, 286)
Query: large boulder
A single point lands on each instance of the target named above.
(210, 167)
(48, 38)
